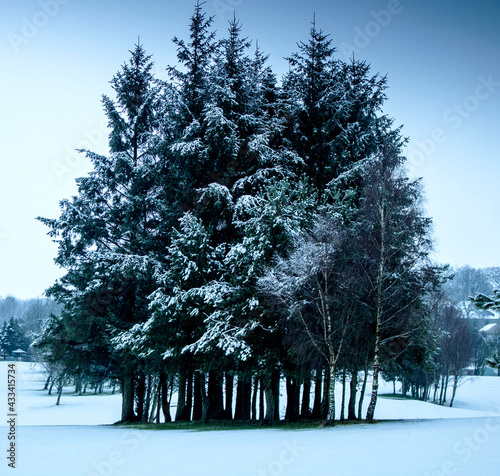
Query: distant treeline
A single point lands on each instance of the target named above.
(22, 320)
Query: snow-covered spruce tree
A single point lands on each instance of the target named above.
(231, 143)
(226, 125)
(230, 147)
(314, 104)
(333, 112)
(195, 57)
(12, 337)
(242, 324)
(207, 141)
(107, 234)
(189, 87)
(241, 135)
(190, 292)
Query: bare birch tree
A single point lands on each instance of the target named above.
(312, 288)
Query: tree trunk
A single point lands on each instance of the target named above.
(455, 385)
(159, 402)
(180, 414)
(128, 398)
(436, 386)
(353, 388)
(378, 314)
(151, 399)
(147, 400)
(140, 394)
(305, 411)
(446, 388)
(59, 391)
(165, 401)
(197, 397)
(255, 393)
(362, 393)
(292, 405)
(404, 387)
(228, 407)
(276, 378)
(261, 399)
(342, 406)
(316, 413)
(189, 396)
(330, 417)
(269, 396)
(215, 396)
(243, 399)
(441, 393)
(78, 385)
(326, 392)
(205, 402)
(290, 399)
(370, 413)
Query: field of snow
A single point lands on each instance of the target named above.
(427, 440)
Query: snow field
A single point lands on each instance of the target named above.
(433, 447)
(66, 440)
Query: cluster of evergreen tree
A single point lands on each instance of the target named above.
(243, 231)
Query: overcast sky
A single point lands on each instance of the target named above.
(441, 58)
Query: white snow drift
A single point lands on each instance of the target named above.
(66, 441)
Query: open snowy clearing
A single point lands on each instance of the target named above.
(66, 440)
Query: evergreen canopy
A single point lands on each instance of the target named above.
(213, 176)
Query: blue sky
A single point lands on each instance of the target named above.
(441, 58)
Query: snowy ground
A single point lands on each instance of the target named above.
(66, 440)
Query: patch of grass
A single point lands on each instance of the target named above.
(396, 396)
(230, 425)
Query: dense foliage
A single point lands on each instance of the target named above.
(241, 231)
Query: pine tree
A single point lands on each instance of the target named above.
(314, 102)
(12, 337)
(132, 119)
(333, 112)
(195, 57)
(189, 93)
(108, 234)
